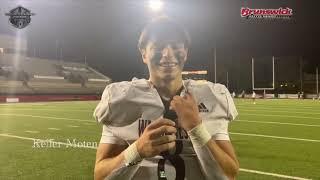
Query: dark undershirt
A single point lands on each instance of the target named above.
(170, 114)
(174, 159)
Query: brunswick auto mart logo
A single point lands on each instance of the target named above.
(280, 13)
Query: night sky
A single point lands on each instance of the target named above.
(107, 32)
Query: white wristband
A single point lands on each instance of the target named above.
(131, 155)
(199, 135)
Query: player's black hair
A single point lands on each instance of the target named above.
(162, 28)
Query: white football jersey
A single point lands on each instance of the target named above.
(126, 108)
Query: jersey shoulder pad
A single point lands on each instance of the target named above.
(116, 107)
(215, 86)
(127, 90)
(124, 102)
(206, 86)
(220, 96)
(218, 88)
(224, 95)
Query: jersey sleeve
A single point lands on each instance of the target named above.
(232, 110)
(108, 137)
(102, 109)
(227, 109)
(227, 112)
(117, 106)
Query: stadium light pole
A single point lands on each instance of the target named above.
(227, 80)
(252, 72)
(57, 48)
(61, 54)
(215, 64)
(273, 82)
(317, 78)
(301, 83)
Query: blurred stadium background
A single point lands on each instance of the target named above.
(53, 72)
(24, 78)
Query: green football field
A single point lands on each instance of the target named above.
(274, 139)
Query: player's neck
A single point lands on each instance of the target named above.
(167, 88)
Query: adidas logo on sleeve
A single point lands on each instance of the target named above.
(202, 108)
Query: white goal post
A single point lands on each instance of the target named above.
(252, 74)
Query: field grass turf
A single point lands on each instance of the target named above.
(250, 134)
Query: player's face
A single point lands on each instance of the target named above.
(165, 60)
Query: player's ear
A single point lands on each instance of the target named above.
(186, 55)
(143, 55)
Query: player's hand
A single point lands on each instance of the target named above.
(187, 111)
(157, 137)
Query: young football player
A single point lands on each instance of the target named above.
(253, 97)
(165, 127)
(233, 94)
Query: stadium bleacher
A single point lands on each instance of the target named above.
(29, 75)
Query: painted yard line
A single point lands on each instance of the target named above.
(48, 141)
(272, 106)
(89, 124)
(269, 110)
(274, 115)
(273, 174)
(16, 104)
(275, 137)
(73, 126)
(47, 117)
(54, 103)
(77, 102)
(32, 131)
(56, 129)
(68, 105)
(281, 103)
(47, 105)
(273, 122)
(48, 109)
(241, 169)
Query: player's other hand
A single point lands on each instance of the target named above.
(157, 137)
(187, 111)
